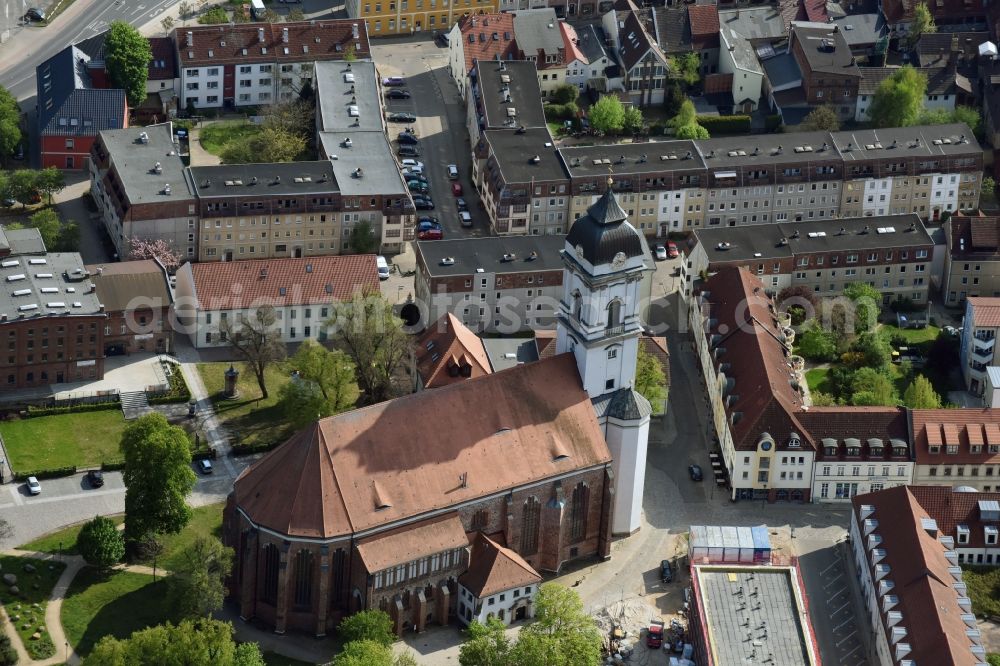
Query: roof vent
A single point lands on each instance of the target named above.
(157, 168)
(263, 272)
(277, 180)
(143, 137)
(532, 256)
(509, 256)
(723, 246)
(347, 143)
(359, 173)
(536, 159)
(166, 189)
(448, 261)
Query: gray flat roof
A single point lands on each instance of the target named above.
(632, 158)
(227, 180)
(340, 109)
(782, 70)
(135, 163)
(757, 23)
(508, 352)
(369, 151)
(53, 284)
(510, 93)
(933, 140)
(537, 30)
(767, 149)
(471, 254)
(766, 627)
(22, 241)
(516, 151)
(860, 28)
(860, 233)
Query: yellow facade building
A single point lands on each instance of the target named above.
(405, 17)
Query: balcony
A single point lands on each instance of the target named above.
(983, 347)
(612, 331)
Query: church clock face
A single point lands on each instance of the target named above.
(619, 260)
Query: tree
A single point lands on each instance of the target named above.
(989, 187)
(633, 122)
(198, 584)
(158, 477)
(184, 9)
(607, 115)
(563, 633)
(685, 123)
(686, 68)
(295, 14)
(306, 92)
(565, 94)
(69, 238)
(363, 239)
(821, 119)
(968, 115)
(349, 55)
(8, 655)
(48, 225)
(673, 98)
(922, 24)
(330, 369)
(899, 99)
(257, 342)
(167, 23)
(10, 124)
(50, 181)
(872, 387)
(215, 16)
(302, 402)
(798, 296)
(368, 330)
(271, 16)
(867, 305)
(126, 56)
(270, 144)
(22, 185)
(486, 645)
(650, 381)
(820, 399)
(920, 394)
(875, 349)
(100, 543)
(159, 249)
(201, 641)
(368, 625)
(817, 344)
(364, 653)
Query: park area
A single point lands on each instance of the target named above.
(81, 439)
(252, 421)
(24, 595)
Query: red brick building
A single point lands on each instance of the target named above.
(136, 300)
(350, 514)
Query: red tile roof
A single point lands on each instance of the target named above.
(427, 451)
(494, 569)
(746, 329)
(950, 508)
(861, 423)
(412, 541)
(545, 343)
(570, 43)
(704, 20)
(718, 83)
(227, 42)
(924, 585)
(985, 311)
(447, 348)
(482, 27)
(977, 236)
(222, 285)
(816, 10)
(961, 427)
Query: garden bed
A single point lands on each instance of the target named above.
(26, 607)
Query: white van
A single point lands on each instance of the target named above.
(452, 172)
(465, 218)
(383, 267)
(257, 8)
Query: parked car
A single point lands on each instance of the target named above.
(429, 231)
(672, 251)
(661, 253)
(423, 203)
(654, 635)
(442, 39)
(34, 14)
(405, 138)
(417, 186)
(205, 466)
(408, 151)
(694, 471)
(666, 571)
(412, 163)
(96, 478)
(398, 93)
(452, 172)
(34, 487)
(462, 205)
(456, 189)
(465, 218)
(413, 171)
(394, 81)
(429, 218)
(402, 118)
(383, 267)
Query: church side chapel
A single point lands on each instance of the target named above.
(450, 504)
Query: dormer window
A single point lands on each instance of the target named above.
(934, 449)
(963, 534)
(991, 535)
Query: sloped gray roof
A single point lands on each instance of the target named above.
(605, 231)
(68, 105)
(625, 404)
(537, 30)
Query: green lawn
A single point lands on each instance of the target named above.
(816, 378)
(84, 439)
(275, 659)
(115, 604)
(27, 609)
(66, 537)
(913, 336)
(205, 521)
(249, 419)
(215, 136)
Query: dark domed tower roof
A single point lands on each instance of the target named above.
(605, 231)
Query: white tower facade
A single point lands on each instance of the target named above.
(605, 260)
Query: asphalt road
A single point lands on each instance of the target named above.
(31, 45)
(444, 138)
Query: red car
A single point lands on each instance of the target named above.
(672, 250)
(456, 189)
(429, 230)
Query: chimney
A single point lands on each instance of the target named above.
(463, 480)
(284, 35)
(354, 31)
(190, 38)
(260, 35)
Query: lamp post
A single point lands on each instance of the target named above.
(2, 462)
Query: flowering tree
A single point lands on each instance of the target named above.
(141, 248)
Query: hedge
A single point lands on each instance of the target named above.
(247, 449)
(179, 391)
(725, 124)
(70, 409)
(112, 465)
(772, 122)
(557, 112)
(53, 473)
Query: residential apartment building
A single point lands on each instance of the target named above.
(137, 301)
(250, 64)
(539, 39)
(51, 318)
(972, 263)
(137, 180)
(911, 584)
(892, 254)
(587, 58)
(503, 95)
(302, 292)
(351, 134)
(979, 335)
(385, 18)
(495, 284)
(738, 58)
(632, 33)
(830, 75)
(960, 447)
(941, 94)
(478, 37)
